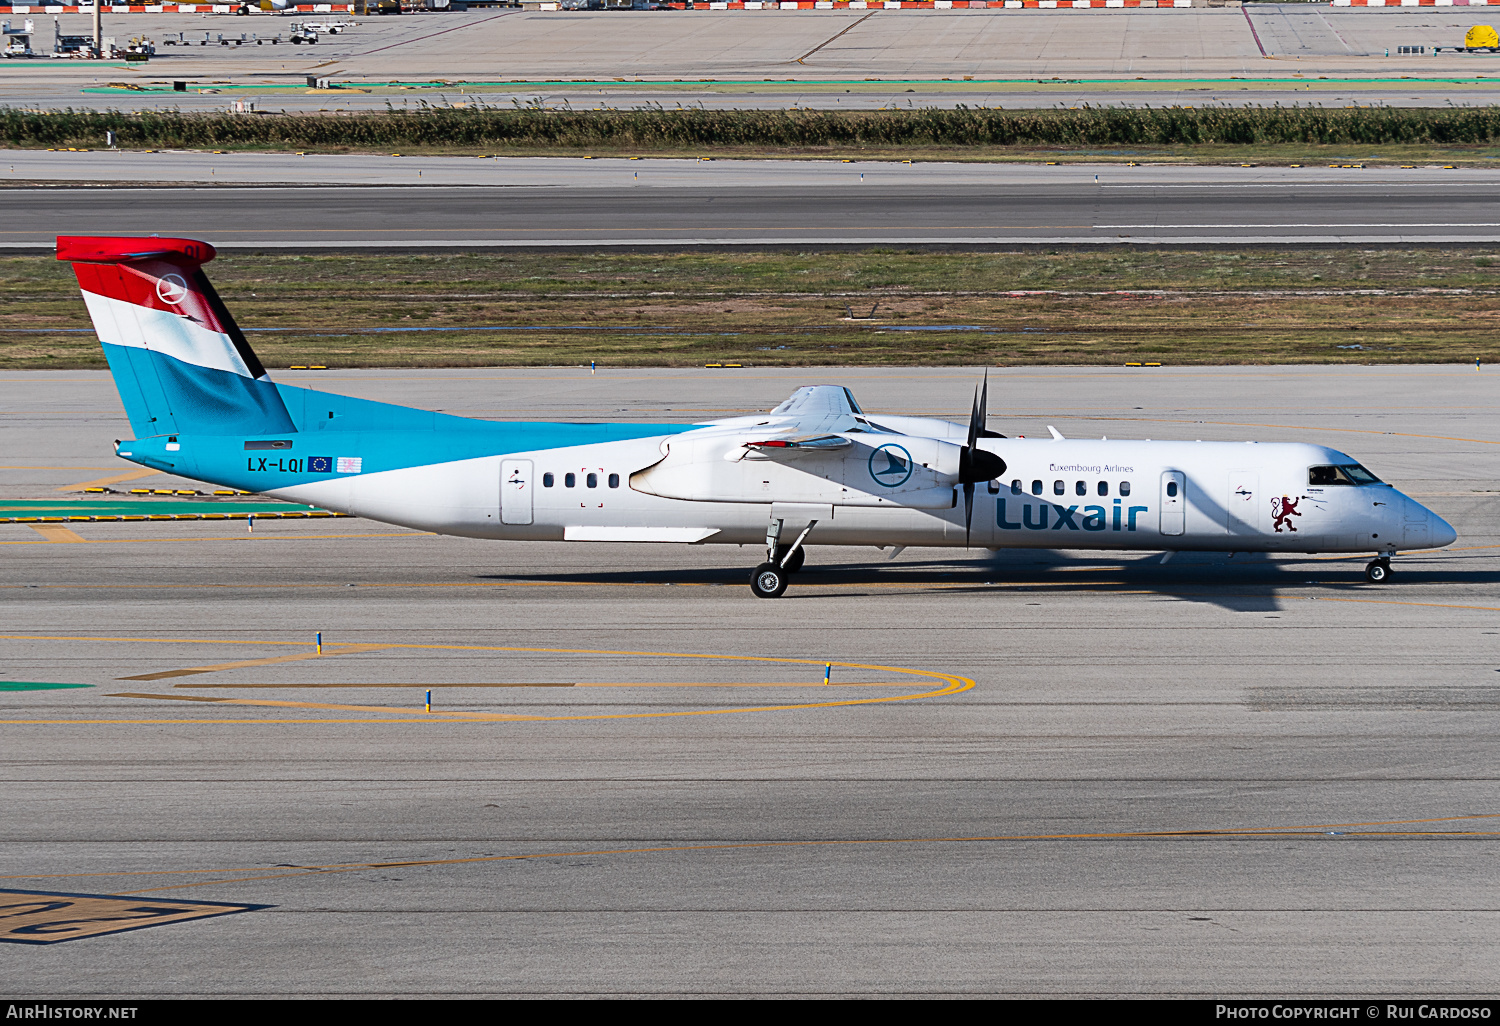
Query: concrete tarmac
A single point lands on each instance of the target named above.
(617, 202)
(1261, 53)
(1212, 777)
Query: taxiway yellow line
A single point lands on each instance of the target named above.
(332, 650)
(280, 704)
(160, 641)
(562, 684)
(56, 533)
(1405, 602)
(952, 685)
(104, 482)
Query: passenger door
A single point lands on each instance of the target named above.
(1173, 502)
(515, 491)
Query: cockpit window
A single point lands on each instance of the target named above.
(1344, 474)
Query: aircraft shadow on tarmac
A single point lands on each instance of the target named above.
(1245, 582)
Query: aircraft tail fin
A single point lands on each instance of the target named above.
(180, 362)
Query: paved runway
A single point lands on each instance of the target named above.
(571, 202)
(1210, 777)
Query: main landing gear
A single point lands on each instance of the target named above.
(1378, 570)
(771, 578)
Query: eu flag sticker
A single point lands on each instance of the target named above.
(320, 464)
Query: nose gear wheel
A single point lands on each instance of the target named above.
(769, 581)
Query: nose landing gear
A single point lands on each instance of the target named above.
(771, 578)
(790, 563)
(1378, 570)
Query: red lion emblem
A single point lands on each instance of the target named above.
(1284, 507)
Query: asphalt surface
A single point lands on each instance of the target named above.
(569, 202)
(1212, 777)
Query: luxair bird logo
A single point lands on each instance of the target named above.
(1281, 508)
(171, 289)
(890, 465)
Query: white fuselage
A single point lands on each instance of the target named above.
(1057, 493)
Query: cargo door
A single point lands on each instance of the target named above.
(1173, 502)
(1244, 510)
(515, 491)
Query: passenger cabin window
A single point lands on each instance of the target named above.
(614, 480)
(592, 480)
(1059, 488)
(1081, 488)
(1344, 474)
(1103, 487)
(1036, 488)
(1171, 489)
(547, 480)
(994, 487)
(1124, 487)
(1015, 487)
(569, 480)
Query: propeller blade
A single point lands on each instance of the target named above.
(974, 464)
(968, 510)
(974, 424)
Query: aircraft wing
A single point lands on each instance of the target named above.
(808, 422)
(819, 410)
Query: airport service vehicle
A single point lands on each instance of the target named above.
(815, 470)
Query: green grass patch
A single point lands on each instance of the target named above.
(477, 127)
(908, 307)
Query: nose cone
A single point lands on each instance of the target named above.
(1419, 527)
(1440, 531)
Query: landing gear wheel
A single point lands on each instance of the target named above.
(769, 581)
(1377, 571)
(795, 564)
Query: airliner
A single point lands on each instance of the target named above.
(816, 470)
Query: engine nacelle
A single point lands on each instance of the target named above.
(873, 470)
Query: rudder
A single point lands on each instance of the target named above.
(180, 362)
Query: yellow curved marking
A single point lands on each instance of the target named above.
(1301, 830)
(952, 685)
